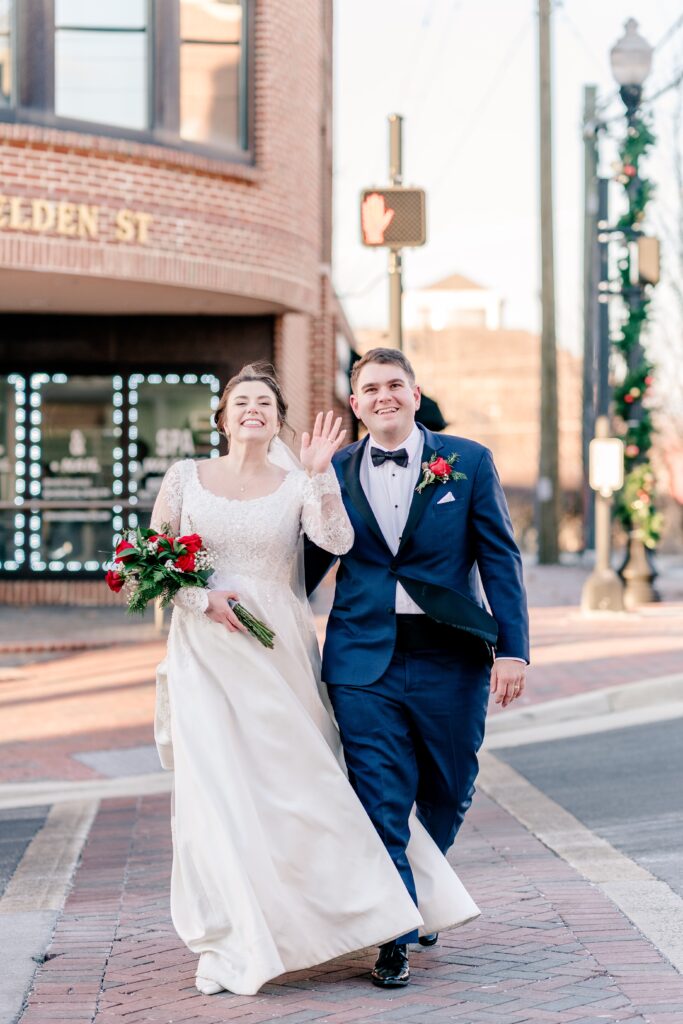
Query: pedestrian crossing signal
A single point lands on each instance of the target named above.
(394, 217)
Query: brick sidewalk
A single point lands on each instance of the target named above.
(548, 946)
(52, 713)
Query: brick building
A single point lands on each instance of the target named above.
(165, 217)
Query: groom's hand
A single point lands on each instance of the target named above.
(508, 679)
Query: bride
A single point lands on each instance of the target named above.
(276, 866)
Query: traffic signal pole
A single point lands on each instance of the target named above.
(395, 258)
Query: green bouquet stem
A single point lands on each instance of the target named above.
(254, 626)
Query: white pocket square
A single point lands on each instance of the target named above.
(446, 498)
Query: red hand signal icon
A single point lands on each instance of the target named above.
(376, 217)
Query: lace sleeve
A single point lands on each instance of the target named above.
(169, 501)
(323, 516)
(167, 512)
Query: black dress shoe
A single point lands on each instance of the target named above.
(391, 969)
(429, 940)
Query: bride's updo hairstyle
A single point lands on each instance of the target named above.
(259, 371)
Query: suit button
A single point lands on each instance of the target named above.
(393, 566)
(391, 611)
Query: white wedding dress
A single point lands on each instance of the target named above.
(276, 866)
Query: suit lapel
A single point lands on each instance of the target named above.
(432, 444)
(351, 471)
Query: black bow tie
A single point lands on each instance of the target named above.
(379, 457)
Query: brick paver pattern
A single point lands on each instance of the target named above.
(548, 946)
(104, 699)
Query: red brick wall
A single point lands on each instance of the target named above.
(253, 231)
(261, 232)
(81, 593)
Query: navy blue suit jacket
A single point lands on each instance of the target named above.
(444, 550)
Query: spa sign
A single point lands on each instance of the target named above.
(72, 220)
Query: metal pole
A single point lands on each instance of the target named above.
(395, 299)
(548, 483)
(603, 389)
(590, 289)
(603, 590)
(395, 149)
(395, 259)
(637, 572)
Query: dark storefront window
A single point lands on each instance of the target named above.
(71, 470)
(12, 440)
(101, 67)
(82, 457)
(6, 75)
(171, 72)
(170, 419)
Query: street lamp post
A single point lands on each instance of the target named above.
(631, 61)
(603, 590)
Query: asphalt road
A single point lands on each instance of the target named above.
(625, 785)
(17, 829)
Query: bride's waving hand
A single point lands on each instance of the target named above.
(318, 448)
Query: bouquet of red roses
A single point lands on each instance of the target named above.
(149, 565)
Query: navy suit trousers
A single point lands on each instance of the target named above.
(410, 738)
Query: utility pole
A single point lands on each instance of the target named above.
(548, 495)
(395, 257)
(590, 291)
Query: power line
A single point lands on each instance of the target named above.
(678, 23)
(433, 77)
(413, 59)
(580, 37)
(365, 289)
(474, 121)
(665, 88)
(606, 103)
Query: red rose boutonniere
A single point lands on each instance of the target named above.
(439, 471)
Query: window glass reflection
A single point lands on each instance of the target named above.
(173, 422)
(5, 52)
(8, 511)
(211, 33)
(101, 62)
(82, 456)
(77, 472)
(103, 14)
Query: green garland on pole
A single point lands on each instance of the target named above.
(635, 506)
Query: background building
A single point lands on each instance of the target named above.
(486, 381)
(165, 217)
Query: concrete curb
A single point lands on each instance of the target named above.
(611, 699)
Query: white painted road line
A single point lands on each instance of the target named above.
(34, 897)
(37, 794)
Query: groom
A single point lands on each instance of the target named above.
(411, 653)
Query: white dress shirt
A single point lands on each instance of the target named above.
(389, 489)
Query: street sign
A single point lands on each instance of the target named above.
(394, 217)
(644, 260)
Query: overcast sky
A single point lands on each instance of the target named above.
(464, 75)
